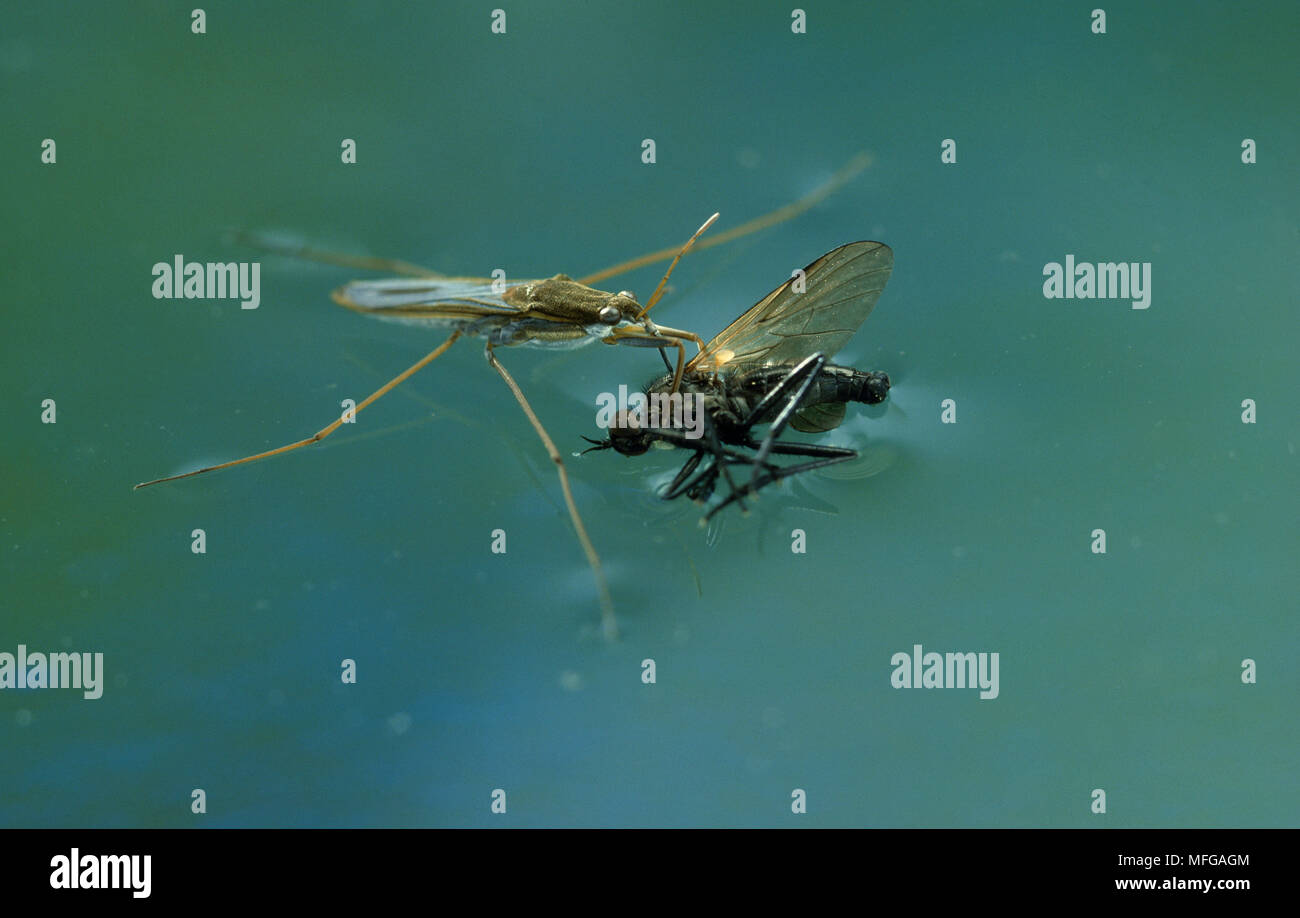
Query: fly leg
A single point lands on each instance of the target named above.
(696, 487)
(700, 488)
(679, 484)
(799, 379)
(830, 455)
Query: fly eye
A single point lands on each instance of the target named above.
(628, 293)
(609, 315)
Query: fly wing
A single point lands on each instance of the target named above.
(425, 301)
(841, 289)
(818, 418)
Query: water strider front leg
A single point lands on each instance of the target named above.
(662, 337)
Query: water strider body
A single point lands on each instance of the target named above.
(556, 312)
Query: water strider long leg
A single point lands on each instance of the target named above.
(781, 214)
(343, 259)
(326, 431)
(609, 623)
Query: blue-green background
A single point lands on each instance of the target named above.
(522, 151)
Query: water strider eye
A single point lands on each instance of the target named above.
(609, 315)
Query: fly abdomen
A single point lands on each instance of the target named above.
(845, 384)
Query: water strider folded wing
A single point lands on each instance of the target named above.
(426, 301)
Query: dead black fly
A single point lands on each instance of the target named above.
(770, 367)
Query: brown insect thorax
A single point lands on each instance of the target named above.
(562, 298)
